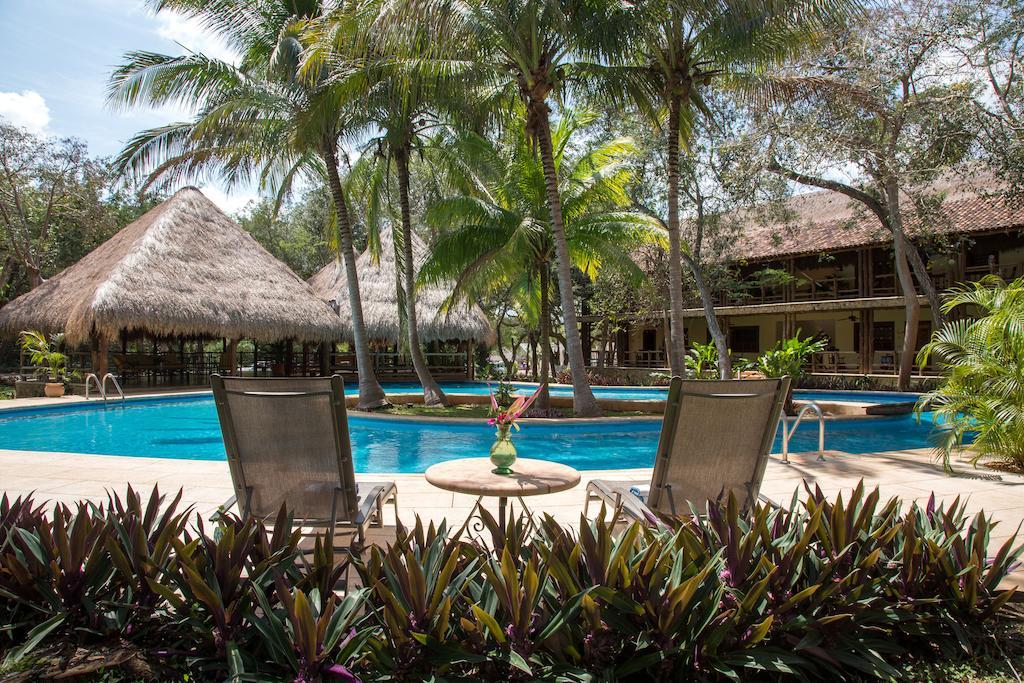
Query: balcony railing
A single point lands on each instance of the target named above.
(632, 359)
(393, 364)
(1007, 272)
(835, 361)
(826, 289)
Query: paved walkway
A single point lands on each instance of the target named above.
(910, 475)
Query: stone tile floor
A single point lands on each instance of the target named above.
(910, 475)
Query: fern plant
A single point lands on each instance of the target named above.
(982, 395)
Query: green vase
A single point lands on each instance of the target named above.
(503, 452)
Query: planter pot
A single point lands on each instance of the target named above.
(53, 389)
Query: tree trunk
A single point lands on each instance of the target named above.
(371, 395)
(927, 284)
(724, 361)
(677, 344)
(432, 394)
(544, 400)
(6, 275)
(584, 403)
(533, 357)
(35, 277)
(911, 307)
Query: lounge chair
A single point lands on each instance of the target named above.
(287, 441)
(715, 439)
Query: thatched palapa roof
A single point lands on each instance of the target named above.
(182, 269)
(379, 295)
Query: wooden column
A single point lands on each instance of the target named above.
(470, 365)
(867, 351)
(102, 360)
(305, 360)
(325, 359)
(232, 355)
(288, 352)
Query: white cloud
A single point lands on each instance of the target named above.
(26, 109)
(191, 35)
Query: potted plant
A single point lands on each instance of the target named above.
(51, 364)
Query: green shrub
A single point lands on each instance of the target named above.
(787, 357)
(842, 589)
(702, 360)
(982, 394)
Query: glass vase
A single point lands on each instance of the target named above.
(503, 451)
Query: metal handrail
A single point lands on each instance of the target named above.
(117, 386)
(99, 387)
(788, 432)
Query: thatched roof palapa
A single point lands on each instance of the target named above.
(379, 295)
(182, 269)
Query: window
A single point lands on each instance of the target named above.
(745, 339)
(650, 341)
(883, 336)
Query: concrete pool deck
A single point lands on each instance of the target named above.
(911, 475)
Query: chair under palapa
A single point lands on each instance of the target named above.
(715, 440)
(287, 441)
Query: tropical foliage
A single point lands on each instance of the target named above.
(45, 355)
(495, 232)
(788, 356)
(982, 395)
(814, 590)
(702, 360)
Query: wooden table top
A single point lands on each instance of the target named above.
(530, 477)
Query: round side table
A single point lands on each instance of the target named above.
(530, 477)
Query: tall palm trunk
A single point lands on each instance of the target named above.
(676, 257)
(371, 395)
(911, 306)
(584, 403)
(544, 400)
(432, 394)
(677, 345)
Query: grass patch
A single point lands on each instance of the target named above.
(474, 411)
(6, 392)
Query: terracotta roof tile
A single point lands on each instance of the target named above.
(827, 221)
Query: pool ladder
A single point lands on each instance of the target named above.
(788, 432)
(101, 385)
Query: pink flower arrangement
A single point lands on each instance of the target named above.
(507, 418)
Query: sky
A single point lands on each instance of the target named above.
(57, 55)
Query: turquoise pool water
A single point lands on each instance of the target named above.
(641, 393)
(186, 427)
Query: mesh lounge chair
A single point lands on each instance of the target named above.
(715, 439)
(287, 442)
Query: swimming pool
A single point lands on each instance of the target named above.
(642, 393)
(187, 427)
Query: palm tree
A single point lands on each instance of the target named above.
(983, 385)
(526, 49)
(685, 47)
(401, 102)
(498, 234)
(265, 119)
